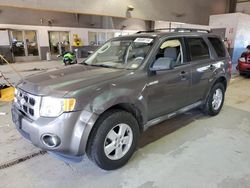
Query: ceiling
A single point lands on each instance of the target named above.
(242, 1)
(178, 11)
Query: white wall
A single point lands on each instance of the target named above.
(237, 30)
(4, 38)
(228, 21)
(242, 38)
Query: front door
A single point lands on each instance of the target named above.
(59, 42)
(24, 45)
(168, 90)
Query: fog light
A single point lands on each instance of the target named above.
(51, 140)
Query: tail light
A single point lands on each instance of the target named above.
(229, 69)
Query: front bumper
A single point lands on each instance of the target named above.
(71, 128)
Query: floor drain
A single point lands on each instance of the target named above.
(20, 160)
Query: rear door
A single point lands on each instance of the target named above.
(202, 68)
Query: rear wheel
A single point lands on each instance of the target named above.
(215, 100)
(114, 139)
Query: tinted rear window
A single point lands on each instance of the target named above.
(198, 49)
(218, 46)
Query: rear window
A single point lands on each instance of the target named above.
(218, 46)
(198, 49)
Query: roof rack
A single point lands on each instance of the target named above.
(192, 30)
(176, 30)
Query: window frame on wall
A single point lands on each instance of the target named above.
(26, 49)
(59, 45)
(98, 41)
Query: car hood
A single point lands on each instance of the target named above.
(62, 81)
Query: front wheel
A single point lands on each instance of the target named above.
(113, 140)
(215, 100)
(65, 63)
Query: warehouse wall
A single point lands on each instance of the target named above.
(178, 10)
(242, 38)
(43, 37)
(237, 31)
(5, 45)
(229, 22)
(243, 7)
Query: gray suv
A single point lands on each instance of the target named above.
(101, 106)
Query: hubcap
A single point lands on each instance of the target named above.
(217, 99)
(118, 141)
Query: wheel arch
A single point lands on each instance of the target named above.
(128, 107)
(220, 79)
(131, 108)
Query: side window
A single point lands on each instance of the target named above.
(198, 49)
(170, 52)
(218, 46)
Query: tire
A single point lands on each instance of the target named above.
(211, 108)
(111, 122)
(241, 74)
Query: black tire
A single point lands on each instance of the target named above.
(75, 62)
(241, 74)
(95, 147)
(208, 108)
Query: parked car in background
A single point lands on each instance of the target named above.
(101, 106)
(244, 62)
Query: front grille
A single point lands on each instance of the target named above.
(27, 103)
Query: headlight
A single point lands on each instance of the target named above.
(15, 95)
(53, 107)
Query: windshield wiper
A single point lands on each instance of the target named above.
(84, 63)
(102, 65)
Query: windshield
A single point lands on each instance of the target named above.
(123, 53)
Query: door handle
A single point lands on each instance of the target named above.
(211, 67)
(183, 75)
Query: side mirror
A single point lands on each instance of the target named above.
(162, 64)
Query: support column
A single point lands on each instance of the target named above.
(232, 6)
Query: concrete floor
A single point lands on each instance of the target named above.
(191, 150)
